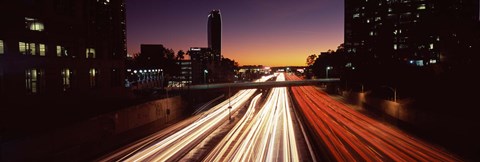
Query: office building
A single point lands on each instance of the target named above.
(56, 50)
(417, 32)
(215, 34)
(201, 61)
(185, 77)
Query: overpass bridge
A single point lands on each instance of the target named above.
(252, 85)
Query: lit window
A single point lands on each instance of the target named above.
(31, 80)
(2, 47)
(90, 53)
(419, 63)
(22, 47)
(395, 47)
(34, 24)
(421, 7)
(26, 48)
(372, 33)
(431, 45)
(356, 15)
(34, 80)
(105, 2)
(42, 49)
(66, 79)
(93, 77)
(32, 49)
(61, 51)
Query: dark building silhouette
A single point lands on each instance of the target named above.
(418, 32)
(54, 47)
(55, 52)
(215, 34)
(201, 60)
(151, 56)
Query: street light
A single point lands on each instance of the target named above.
(205, 72)
(394, 90)
(229, 106)
(161, 70)
(326, 71)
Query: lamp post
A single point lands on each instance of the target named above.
(394, 90)
(161, 70)
(326, 71)
(205, 72)
(229, 105)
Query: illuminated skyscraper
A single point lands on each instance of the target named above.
(60, 59)
(215, 34)
(419, 32)
(62, 47)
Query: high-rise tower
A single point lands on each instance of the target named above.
(215, 34)
(419, 32)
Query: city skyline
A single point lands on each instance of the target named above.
(252, 32)
(284, 80)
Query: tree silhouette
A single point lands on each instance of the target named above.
(170, 54)
(180, 55)
(311, 59)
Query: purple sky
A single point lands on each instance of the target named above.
(255, 32)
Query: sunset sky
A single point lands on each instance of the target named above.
(255, 32)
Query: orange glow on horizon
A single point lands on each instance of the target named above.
(286, 51)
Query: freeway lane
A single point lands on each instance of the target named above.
(220, 150)
(175, 145)
(350, 136)
(269, 135)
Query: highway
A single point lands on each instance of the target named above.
(173, 146)
(267, 135)
(348, 135)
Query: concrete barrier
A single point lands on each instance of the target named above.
(399, 110)
(164, 110)
(84, 139)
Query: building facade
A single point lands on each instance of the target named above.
(417, 32)
(185, 77)
(215, 34)
(201, 62)
(64, 49)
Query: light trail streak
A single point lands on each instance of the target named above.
(177, 144)
(350, 136)
(269, 136)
